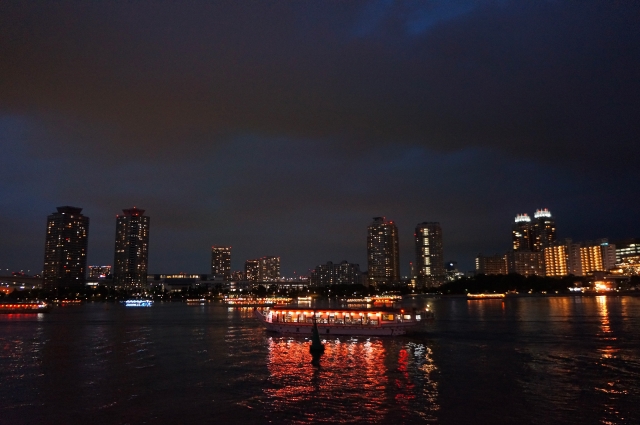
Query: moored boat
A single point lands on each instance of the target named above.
(485, 296)
(362, 322)
(24, 307)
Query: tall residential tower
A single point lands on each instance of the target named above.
(429, 254)
(543, 230)
(382, 252)
(65, 252)
(132, 248)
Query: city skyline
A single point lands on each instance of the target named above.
(281, 128)
(542, 217)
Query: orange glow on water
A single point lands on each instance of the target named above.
(606, 334)
(354, 369)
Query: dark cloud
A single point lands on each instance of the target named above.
(283, 127)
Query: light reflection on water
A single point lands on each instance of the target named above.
(537, 360)
(358, 381)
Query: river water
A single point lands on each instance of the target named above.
(560, 360)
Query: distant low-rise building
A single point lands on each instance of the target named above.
(335, 274)
(491, 264)
(99, 272)
(526, 263)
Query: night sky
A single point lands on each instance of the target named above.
(282, 128)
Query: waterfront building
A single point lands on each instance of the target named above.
(237, 275)
(579, 259)
(221, 261)
(555, 260)
(336, 274)
(491, 264)
(65, 253)
(265, 269)
(99, 272)
(131, 250)
(627, 249)
(608, 254)
(383, 254)
(429, 254)
(591, 259)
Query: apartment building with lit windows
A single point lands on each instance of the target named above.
(221, 261)
(65, 252)
(429, 254)
(131, 259)
(383, 253)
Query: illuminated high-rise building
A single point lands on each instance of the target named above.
(383, 256)
(533, 235)
(65, 253)
(221, 261)
(429, 254)
(132, 250)
(543, 230)
(521, 233)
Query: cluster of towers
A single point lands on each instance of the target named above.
(529, 240)
(264, 269)
(65, 257)
(383, 258)
(383, 255)
(537, 251)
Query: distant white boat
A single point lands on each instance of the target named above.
(138, 303)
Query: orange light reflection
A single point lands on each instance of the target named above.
(352, 370)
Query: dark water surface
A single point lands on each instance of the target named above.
(560, 360)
